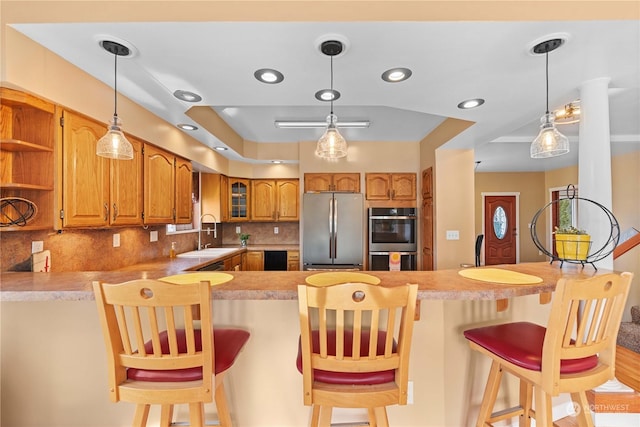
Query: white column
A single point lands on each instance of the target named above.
(594, 163)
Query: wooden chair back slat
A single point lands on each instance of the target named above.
(584, 321)
(138, 315)
(357, 310)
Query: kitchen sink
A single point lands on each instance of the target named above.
(207, 253)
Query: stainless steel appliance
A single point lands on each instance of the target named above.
(333, 231)
(392, 230)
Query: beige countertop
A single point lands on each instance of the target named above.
(281, 285)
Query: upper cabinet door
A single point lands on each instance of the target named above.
(85, 199)
(403, 186)
(346, 182)
(317, 182)
(288, 204)
(263, 200)
(159, 190)
(126, 188)
(378, 186)
(238, 199)
(184, 190)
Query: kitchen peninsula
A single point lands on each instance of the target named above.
(54, 370)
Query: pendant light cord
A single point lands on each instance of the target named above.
(332, 93)
(547, 74)
(115, 87)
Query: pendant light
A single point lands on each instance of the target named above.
(114, 144)
(331, 145)
(549, 142)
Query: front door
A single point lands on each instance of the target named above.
(500, 230)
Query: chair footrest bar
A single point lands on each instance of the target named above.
(505, 414)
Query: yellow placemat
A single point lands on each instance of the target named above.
(214, 277)
(498, 275)
(329, 278)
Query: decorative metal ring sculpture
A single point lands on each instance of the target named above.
(593, 255)
(16, 211)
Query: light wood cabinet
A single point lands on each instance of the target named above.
(348, 182)
(238, 196)
(235, 263)
(184, 191)
(390, 186)
(212, 196)
(27, 141)
(168, 184)
(159, 184)
(255, 261)
(275, 200)
(293, 260)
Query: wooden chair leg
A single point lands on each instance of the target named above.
(166, 415)
(381, 416)
(196, 414)
(490, 394)
(221, 405)
(141, 415)
(526, 399)
(584, 411)
(325, 416)
(543, 411)
(372, 417)
(315, 416)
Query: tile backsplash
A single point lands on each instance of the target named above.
(92, 249)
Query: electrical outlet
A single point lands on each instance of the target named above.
(37, 246)
(276, 230)
(453, 235)
(153, 236)
(238, 229)
(410, 393)
(116, 240)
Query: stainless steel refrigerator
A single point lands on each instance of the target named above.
(333, 231)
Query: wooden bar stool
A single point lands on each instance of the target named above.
(573, 354)
(357, 356)
(158, 354)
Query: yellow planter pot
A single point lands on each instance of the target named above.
(573, 246)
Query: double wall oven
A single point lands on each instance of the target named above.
(392, 236)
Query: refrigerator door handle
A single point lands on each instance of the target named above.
(335, 228)
(331, 228)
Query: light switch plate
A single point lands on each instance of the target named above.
(116, 240)
(153, 236)
(37, 246)
(453, 235)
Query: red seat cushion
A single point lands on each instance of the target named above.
(521, 344)
(228, 343)
(359, 378)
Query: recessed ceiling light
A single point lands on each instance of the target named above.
(471, 103)
(327, 95)
(185, 126)
(187, 96)
(276, 162)
(220, 148)
(269, 76)
(395, 75)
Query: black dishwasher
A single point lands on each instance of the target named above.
(275, 260)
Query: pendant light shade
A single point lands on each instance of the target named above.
(114, 145)
(549, 142)
(331, 144)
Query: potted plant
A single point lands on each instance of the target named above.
(572, 243)
(244, 237)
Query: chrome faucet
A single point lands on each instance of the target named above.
(215, 230)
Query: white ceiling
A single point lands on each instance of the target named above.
(451, 62)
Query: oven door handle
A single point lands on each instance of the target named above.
(388, 252)
(393, 217)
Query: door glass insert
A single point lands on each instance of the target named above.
(499, 222)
